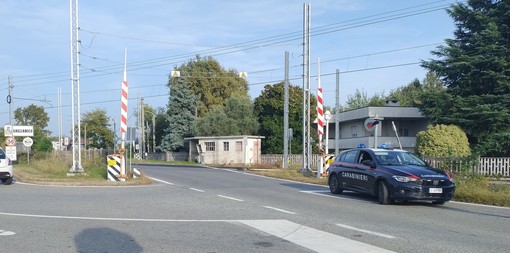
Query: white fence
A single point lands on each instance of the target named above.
(487, 166)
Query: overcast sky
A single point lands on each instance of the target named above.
(376, 46)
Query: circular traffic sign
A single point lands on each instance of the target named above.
(10, 141)
(28, 142)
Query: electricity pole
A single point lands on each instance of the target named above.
(75, 83)
(306, 89)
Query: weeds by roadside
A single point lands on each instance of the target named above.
(53, 168)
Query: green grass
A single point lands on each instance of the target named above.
(479, 189)
(54, 169)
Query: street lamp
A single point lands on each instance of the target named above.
(327, 117)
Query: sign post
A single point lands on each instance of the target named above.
(10, 132)
(28, 143)
(10, 148)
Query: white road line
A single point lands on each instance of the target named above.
(366, 231)
(310, 238)
(197, 190)
(231, 198)
(4, 232)
(161, 181)
(279, 210)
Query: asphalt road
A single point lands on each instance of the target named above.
(199, 209)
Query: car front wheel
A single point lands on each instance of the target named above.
(382, 193)
(7, 181)
(334, 185)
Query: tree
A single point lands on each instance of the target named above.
(360, 99)
(181, 117)
(269, 111)
(475, 68)
(412, 94)
(210, 82)
(476, 62)
(35, 116)
(235, 118)
(32, 115)
(216, 123)
(97, 125)
(442, 141)
(161, 124)
(240, 109)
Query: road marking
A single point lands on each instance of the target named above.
(197, 190)
(231, 198)
(279, 210)
(366, 231)
(4, 232)
(307, 237)
(331, 195)
(161, 181)
(310, 238)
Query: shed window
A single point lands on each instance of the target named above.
(210, 146)
(239, 146)
(226, 146)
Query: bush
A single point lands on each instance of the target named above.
(442, 141)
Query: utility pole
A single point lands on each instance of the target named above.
(75, 85)
(9, 99)
(141, 125)
(59, 106)
(153, 133)
(286, 114)
(337, 108)
(306, 90)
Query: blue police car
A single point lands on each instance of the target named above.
(392, 175)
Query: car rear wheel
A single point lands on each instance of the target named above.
(334, 185)
(7, 181)
(382, 193)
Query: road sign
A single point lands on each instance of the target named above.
(10, 141)
(28, 142)
(18, 130)
(10, 152)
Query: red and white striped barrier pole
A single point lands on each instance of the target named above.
(320, 117)
(123, 117)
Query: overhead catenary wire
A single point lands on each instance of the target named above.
(321, 30)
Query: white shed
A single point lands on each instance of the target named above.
(241, 149)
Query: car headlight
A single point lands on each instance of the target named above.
(404, 179)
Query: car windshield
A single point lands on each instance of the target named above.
(398, 158)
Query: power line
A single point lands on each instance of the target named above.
(268, 41)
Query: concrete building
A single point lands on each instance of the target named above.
(244, 149)
(352, 131)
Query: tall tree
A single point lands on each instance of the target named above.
(240, 109)
(35, 116)
(161, 123)
(32, 115)
(235, 118)
(269, 111)
(97, 125)
(216, 123)
(181, 117)
(210, 82)
(475, 68)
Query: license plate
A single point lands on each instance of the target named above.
(435, 190)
